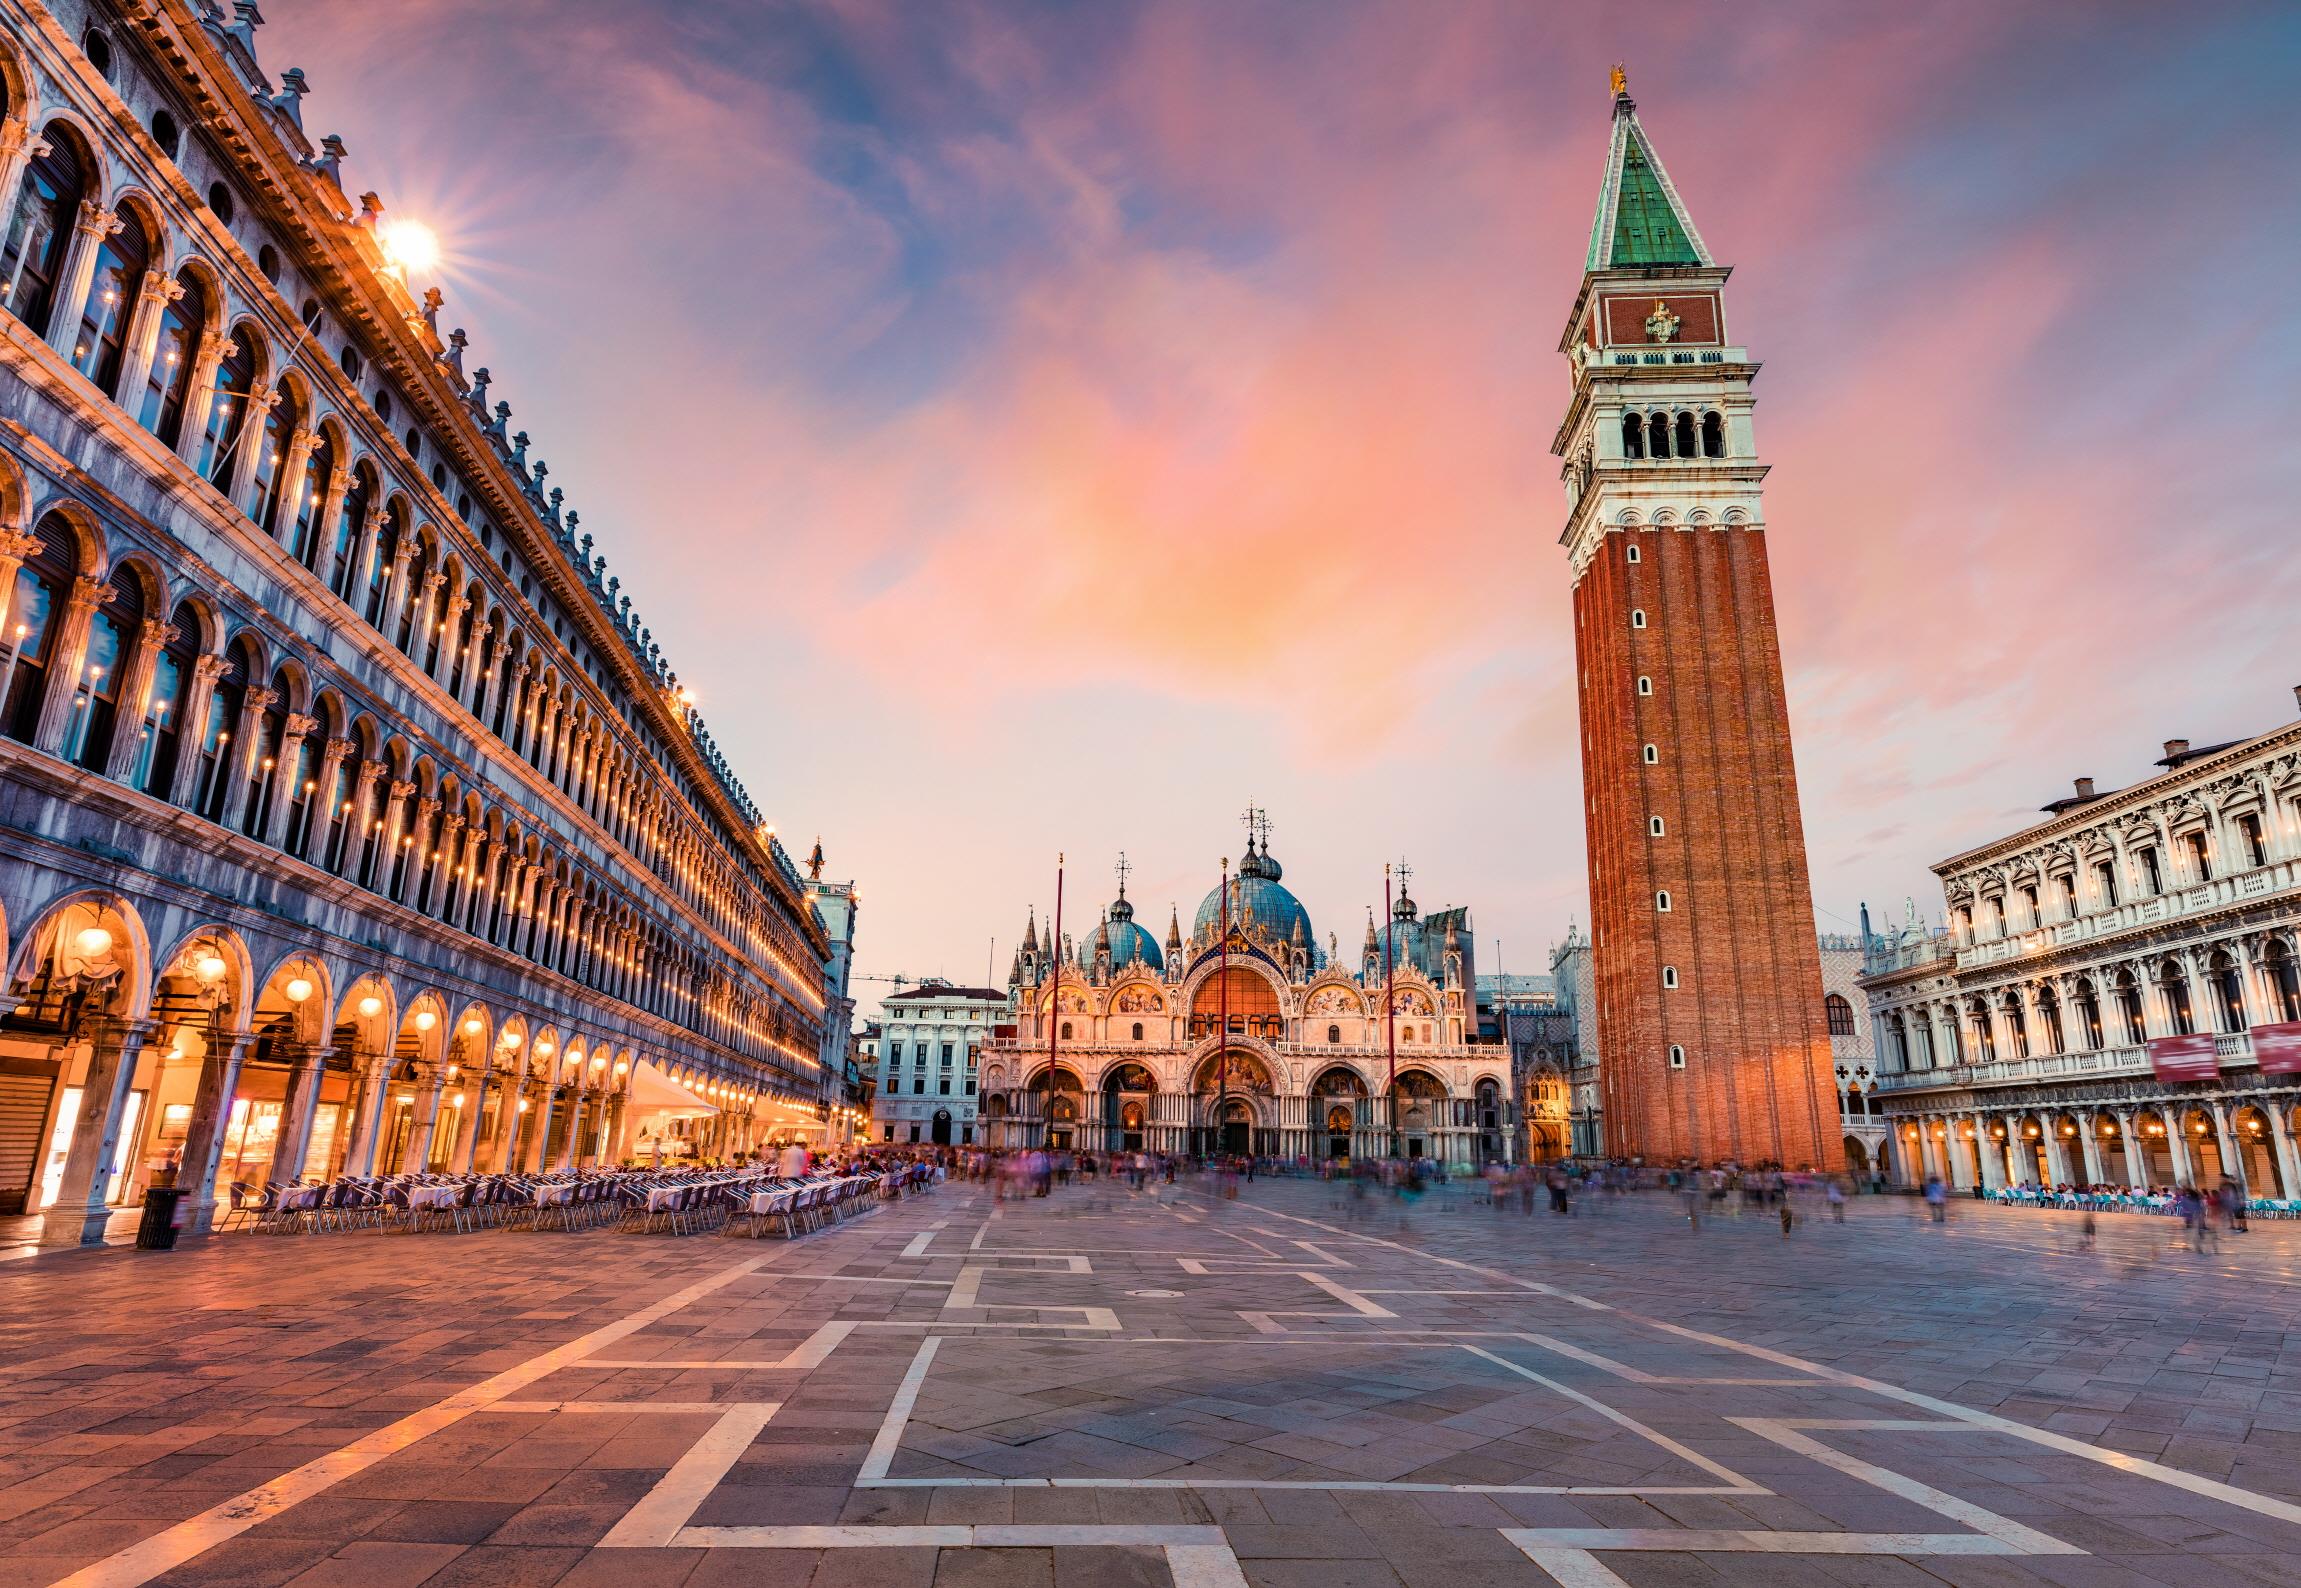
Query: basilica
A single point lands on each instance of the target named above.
(1247, 1035)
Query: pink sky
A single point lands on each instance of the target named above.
(1040, 428)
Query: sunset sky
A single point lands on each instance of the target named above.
(1039, 427)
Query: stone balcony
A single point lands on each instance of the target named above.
(2235, 1050)
(2194, 899)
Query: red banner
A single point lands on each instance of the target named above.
(2278, 1047)
(2183, 1058)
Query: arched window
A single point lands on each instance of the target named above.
(165, 706)
(2049, 1010)
(1984, 1035)
(1662, 900)
(310, 499)
(2129, 1008)
(1658, 435)
(170, 378)
(96, 693)
(1138, 1030)
(1066, 1031)
(102, 339)
(270, 489)
(1633, 436)
(1685, 438)
(212, 790)
(2284, 980)
(1898, 1041)
(1713, 435)
(228, 411)
(2173, 982)
(2087, 1008)
(1334, 1034)
(2228, 991)
(40, 230)
(40, 585)
(2017, 1025)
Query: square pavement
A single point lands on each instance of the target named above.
(1304, 1385)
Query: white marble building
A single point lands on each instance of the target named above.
(2016, 1045)
(929, 1038)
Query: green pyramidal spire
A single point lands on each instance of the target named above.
(1640, 218)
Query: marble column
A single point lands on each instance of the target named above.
(135, 697)
(18, 148)
(2136, 1163)
(371, 1075)
(2232, 1161)
(2281, 1136)
(203, 1151)
(571, 1149)
(200, 396)
(192, 732)
(1987, 1149)
(239, 762)
(307, 1069)
(284, 769)
(79, 1215)
(68, 651)
(89, 230)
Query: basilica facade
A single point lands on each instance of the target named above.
(1244, 1034)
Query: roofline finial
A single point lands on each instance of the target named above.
(1621, 81)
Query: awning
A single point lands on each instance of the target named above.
(655, 1092)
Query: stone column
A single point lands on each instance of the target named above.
(474, 680)
(157, 293)
(411, 840)
(69, 651)
(2232, 1161)
(239, 765)
(2281, 1134)
(457, 606)
(421, 631)
(2177, 1143)
(2089, 1146)
(363, 815)
(2056, 1154)
(18, 148)
(290, 490)
(395, 585)
(79, 1216)
(1986, 1151)
(220, 1063)
(371, 1074)
(326, 816)
(536, 1155)
(619, 1137)
(284, 779)
(307, 1068)
(330, 511)
(446, 858)
(571, 1150)
(465, 1158)
(94, 224)
(430, 1078)
(2136, 1164)
(135, 697)
(15, 546)
(200, 396)
(193, 730)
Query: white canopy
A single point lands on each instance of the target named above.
(654, 1092)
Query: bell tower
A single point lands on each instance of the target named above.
(1713, 1042)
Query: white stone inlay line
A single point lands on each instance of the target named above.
(890, 1435)
(919, 1244)
(172, 1546)
(664, 1509)
(808, 1353)
(1683, 1452)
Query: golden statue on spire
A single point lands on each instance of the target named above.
(1621, 82)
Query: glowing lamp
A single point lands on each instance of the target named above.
(425, 1020)
(472, 1026)
(210, 968)
(298, 989)
(93, 943)
(371, 1006)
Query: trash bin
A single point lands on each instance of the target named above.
(158, 1231)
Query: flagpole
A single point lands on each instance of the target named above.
(1055, 1002)
(1222, 1000)
(1389, 1008)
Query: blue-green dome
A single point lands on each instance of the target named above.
(1256, 899)
(1128, 941)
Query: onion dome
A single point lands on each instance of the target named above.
(1129, 943)
(1258, 903)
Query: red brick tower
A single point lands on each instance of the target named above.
(1713, 1042)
